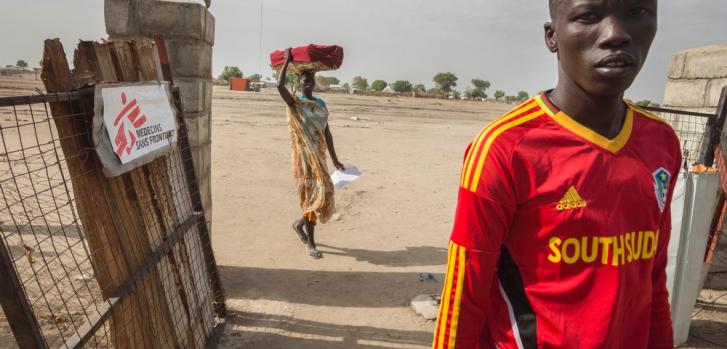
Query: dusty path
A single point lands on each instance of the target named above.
(394, 222)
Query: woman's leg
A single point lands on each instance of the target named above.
(298, 229)
(310, 227)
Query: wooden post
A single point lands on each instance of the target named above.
(126, 218)
(15, 305)
(713, 132)
(719, 223)
(110, 260)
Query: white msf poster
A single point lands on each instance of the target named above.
(139, 120)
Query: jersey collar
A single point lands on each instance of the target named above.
(612, 145)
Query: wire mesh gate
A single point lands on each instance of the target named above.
(704, 141)
(694, 132)
(92, 261)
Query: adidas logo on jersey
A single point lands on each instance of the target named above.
(571, 201)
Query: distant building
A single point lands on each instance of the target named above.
(336, 88)
(13, 70)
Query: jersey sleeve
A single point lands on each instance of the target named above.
(485, 207)
(660, 329)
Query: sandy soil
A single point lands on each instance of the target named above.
(394, 222)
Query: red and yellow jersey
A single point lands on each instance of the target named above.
(560, 235)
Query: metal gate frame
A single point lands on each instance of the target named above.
(17, 309)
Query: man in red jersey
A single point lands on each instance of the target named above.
(562, 224)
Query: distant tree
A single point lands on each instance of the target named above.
(360, 83)
(435, 92)
(643, 103)
(478, 93)
(522, 95)
(402, 86)
(327, 81)
(484, 95)
(468, 93)
(655, 105)
(346, 86)
(291, 78)
(332, 80)
(480, 87)
(378, 85)
(255, 77)
(456, 94)
(481, 84)
(420, 88)
(21, 63)
(499, 94)
(230, 72)
(445, 81)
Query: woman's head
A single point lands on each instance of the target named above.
(307, 82)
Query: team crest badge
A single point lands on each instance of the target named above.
(661, 186)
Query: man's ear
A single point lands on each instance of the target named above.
(551, 41)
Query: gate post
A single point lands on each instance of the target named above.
(17, 310)
(713, 132)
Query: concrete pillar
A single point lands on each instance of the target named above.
(696, 78)
(189, 31)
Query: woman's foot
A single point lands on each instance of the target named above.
(298, 229)
(313, 252)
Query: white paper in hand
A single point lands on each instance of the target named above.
(343, 178)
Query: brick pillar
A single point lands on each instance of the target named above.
(189, 31)
(696, 78)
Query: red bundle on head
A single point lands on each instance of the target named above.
(310, 57)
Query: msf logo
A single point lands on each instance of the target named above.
(126, 123)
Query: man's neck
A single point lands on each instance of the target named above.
(602, 114)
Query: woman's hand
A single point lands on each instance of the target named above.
(288, 54)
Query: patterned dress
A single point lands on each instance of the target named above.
(307, 121)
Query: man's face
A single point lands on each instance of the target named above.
(601, 44)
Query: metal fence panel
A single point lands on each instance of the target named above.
(152, 283)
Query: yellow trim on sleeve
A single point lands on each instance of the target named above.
(457, 297)
(446, 295)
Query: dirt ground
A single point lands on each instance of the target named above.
(393, 222)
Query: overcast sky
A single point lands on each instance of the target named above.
(497, 40)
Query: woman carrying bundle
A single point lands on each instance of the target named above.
(310, 137)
